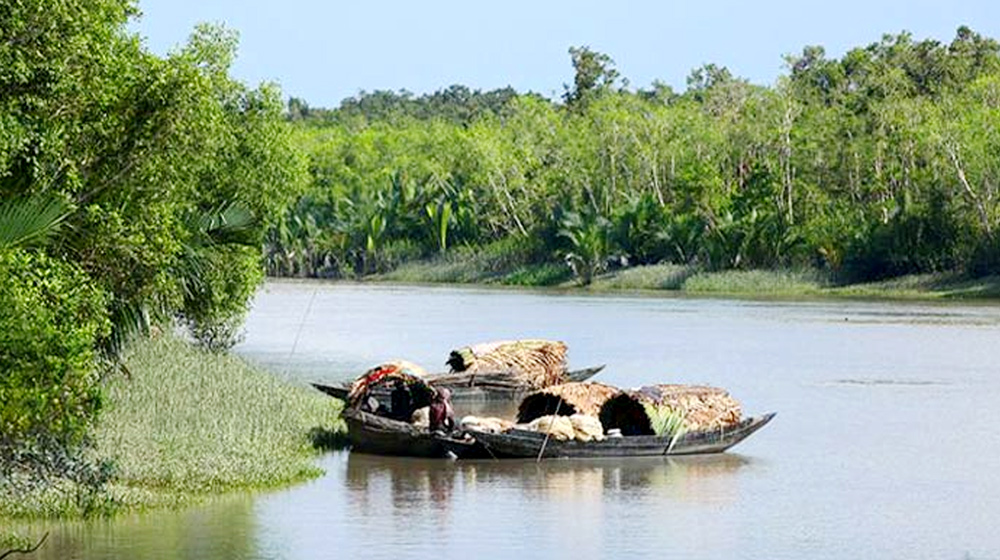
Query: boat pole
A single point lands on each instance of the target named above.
(548, 433)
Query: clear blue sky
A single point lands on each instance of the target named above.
(324, 51)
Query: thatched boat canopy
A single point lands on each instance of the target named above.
(534, 363)
(388, 375)
(703, 408)
(565, 400)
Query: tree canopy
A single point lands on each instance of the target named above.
(133, 188)
(879, 163)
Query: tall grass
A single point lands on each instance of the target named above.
(649, 277)
(188, 423)
(756, 282)
(191, 421)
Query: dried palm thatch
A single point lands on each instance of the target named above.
(703, 408)
(565, 400)
(535, 363)
(384, 375)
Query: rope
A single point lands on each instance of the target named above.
(298, 333)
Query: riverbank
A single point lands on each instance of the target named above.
(185, 425)
(694, 281)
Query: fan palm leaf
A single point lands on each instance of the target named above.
(31, 221)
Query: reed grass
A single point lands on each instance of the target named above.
(925, 286)
(649, 277)
(187, 424)
(196, 422)
(757, 282)
(445, 269)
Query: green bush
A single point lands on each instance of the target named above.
(218, 296)
(51, 317)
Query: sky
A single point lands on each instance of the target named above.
(323, 51)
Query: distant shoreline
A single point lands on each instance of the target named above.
(665, 279)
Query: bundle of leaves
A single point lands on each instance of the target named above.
(665, 421)
(537, 363)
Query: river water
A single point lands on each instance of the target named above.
(886, 443)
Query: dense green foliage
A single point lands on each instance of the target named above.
(133, 189)
(139, 148)
(880, 163)
(50, 321)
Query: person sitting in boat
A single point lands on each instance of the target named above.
(442, 414)
(401, 401)
(370, 404)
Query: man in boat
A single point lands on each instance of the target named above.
(401, 402)
(442, 414)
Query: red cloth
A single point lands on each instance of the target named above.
(442, 416)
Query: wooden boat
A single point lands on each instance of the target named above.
(375, 426)
(467, 386)
(518, 443)
(370, 433)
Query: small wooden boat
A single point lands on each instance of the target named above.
(516, 443)
(370, 433)
(467, 386)
(384, 426)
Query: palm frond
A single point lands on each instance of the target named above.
(128, 320)
(31, 221)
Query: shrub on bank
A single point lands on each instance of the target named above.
(51, 317)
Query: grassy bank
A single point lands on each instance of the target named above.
(692, 280)
(188, 424)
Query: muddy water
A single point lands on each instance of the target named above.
(886, 443)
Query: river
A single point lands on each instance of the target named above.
(886, 443)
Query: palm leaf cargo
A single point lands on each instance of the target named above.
(704, 408)
(565, 399)
(535, 363)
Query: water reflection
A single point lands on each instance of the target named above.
(862, 388)
(422, 484)
(221, 529)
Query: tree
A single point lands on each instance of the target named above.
(127, 152)
(594, 73)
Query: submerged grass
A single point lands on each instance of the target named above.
(188, 424)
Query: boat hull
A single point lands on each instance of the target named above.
(526, 444)
(378, 435)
